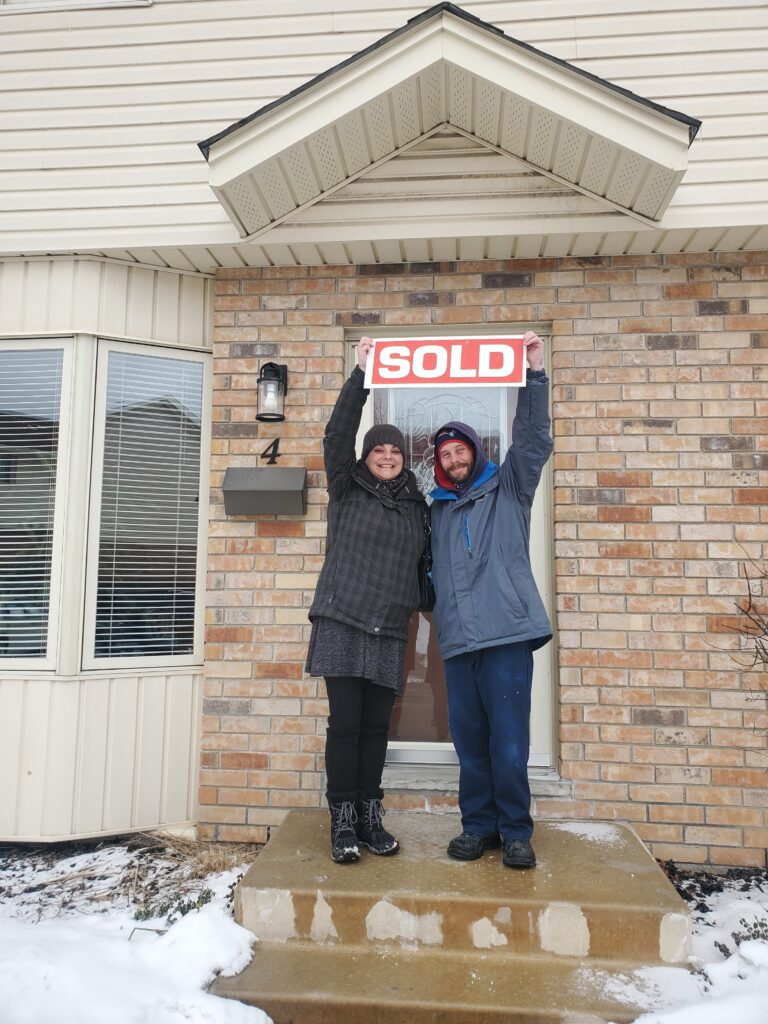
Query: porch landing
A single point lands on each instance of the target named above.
(420, 937)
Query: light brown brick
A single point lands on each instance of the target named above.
(651, 382)
(714, 836)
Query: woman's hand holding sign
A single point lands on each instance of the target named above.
(364, 346)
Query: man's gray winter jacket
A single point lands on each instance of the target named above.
(486, 593)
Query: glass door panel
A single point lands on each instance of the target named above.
(418, 412)
(419, 731)
(420, 716)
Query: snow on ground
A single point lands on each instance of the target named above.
(730, 956)
(119, 934)
(132, 932)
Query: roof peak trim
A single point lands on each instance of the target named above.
(436, 11)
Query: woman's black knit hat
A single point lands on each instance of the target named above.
(382, 433)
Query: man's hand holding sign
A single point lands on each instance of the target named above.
(534, 350)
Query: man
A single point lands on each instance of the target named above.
(490, 617)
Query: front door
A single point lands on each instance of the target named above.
(419, 731)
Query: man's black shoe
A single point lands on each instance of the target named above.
(469, 846)
(518, 853)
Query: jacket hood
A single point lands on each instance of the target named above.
(481, 459)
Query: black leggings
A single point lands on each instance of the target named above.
(356, 744)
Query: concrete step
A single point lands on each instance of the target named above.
(422, 939)
(596, 893)
(304, 984)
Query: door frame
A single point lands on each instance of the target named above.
(544, 704)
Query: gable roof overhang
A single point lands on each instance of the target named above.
(446, 68)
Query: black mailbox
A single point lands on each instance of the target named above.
(265, 490)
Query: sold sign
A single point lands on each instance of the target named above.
(458, 362)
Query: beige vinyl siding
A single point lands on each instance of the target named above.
(108, 750)
(100, 754)
(102, 108)
(69, 296)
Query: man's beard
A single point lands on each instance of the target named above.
(459, 476)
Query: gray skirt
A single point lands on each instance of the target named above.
(336, 649)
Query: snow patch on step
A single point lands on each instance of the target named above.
(485, 935)
(675, 938)
(594, 831)
(323, 928)
(563, 929)
(269, 913)
(386, 921)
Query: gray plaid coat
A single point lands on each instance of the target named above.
(369, 578)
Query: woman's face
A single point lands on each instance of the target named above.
(385, 461)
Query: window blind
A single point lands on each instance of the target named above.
(148, 533)
(30, 400)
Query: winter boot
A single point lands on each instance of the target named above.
(344, 848)
(371, 831)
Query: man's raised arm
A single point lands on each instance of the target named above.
(531, 429)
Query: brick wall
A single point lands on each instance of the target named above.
(660, 413)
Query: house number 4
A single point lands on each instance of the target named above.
(272, 452)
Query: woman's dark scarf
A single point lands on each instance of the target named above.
(390, 487)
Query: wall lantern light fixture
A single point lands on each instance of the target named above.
(270, 392)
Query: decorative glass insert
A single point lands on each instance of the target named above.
(148, 528)
(30, 400)
(418, 412)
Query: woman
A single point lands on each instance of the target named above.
(367, 590)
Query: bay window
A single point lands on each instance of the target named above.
(139, 599)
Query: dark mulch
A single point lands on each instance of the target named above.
(695, 885)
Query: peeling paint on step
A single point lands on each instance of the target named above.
(269, 914)
(503, 915)
(675, 938)
(322, 928)
(485, 935)
(563, 929)
(386, 921)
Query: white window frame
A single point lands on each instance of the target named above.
(66, 345)
(89, 660)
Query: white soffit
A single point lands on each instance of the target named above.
(448, 68)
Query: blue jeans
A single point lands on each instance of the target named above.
(489, 708)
